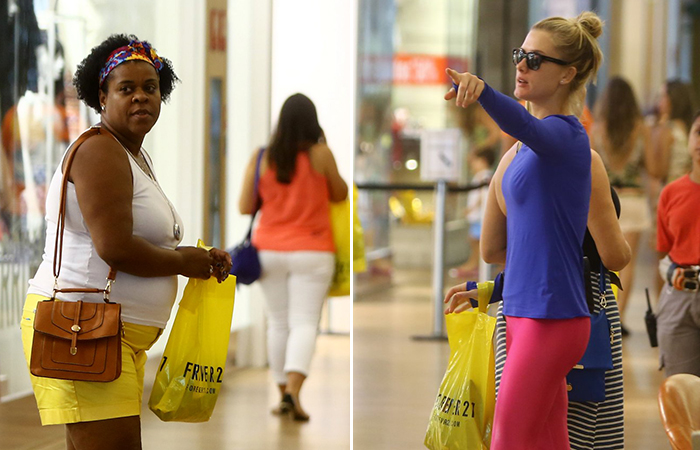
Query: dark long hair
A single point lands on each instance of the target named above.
(619, 110)
(297, 131)
(680, 95)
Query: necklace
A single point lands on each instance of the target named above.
(141, 161)
(145, 167)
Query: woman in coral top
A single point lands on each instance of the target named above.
(298, 180)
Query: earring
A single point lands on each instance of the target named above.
(561, 82)
(103, 108)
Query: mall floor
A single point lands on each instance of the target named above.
(241, 420)
(396, 378)
(395, 382)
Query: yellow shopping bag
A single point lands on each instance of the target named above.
(192, 368)
(340, 222)
(359, 262)
(462, 416)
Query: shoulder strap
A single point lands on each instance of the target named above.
(61, 221)
(602, 286)
(258, 201)
(256, 193)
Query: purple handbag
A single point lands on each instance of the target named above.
(245, 264)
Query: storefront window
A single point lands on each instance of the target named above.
(40, 114)
(403, 50)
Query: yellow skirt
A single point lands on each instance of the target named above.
(64, 401)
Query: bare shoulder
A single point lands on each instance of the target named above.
(321, 158)
(596, 160)
(320, 151)
(101, 152)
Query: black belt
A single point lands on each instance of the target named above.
(684, 278)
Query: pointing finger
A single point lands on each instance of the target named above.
(453, 74)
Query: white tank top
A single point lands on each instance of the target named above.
(145, 301)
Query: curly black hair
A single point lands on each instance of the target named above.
(87, 77)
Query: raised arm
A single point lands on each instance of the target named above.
(551, 135)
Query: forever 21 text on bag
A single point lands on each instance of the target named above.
(191, 371)
(462, 415)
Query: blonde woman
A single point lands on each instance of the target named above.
(535, 221)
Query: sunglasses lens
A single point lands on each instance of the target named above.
(533, 61)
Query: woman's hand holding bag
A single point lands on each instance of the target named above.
(191, 370)
(462, 415)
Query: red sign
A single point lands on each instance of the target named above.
(424, 69)
(217, 29)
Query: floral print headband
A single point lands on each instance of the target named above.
(136, 50)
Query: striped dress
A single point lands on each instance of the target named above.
(592, 425)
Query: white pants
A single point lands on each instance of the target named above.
(295, 285)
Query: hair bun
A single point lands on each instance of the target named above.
(591, 23)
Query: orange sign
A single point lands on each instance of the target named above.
(425, 69)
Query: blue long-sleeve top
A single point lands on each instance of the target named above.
(547, 190)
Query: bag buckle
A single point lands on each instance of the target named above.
(108, 289)
(75, 328)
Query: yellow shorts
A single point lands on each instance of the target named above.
(64, 401)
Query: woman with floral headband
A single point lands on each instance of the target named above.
(116, 216)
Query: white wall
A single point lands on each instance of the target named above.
(314, 51)
(248, 127)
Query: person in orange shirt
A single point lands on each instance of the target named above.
(298, 179)
(678, 237)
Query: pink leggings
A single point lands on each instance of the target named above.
(532, 401)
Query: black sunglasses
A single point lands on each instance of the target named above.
(534, 60)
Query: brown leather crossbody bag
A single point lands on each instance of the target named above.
(76, 340)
